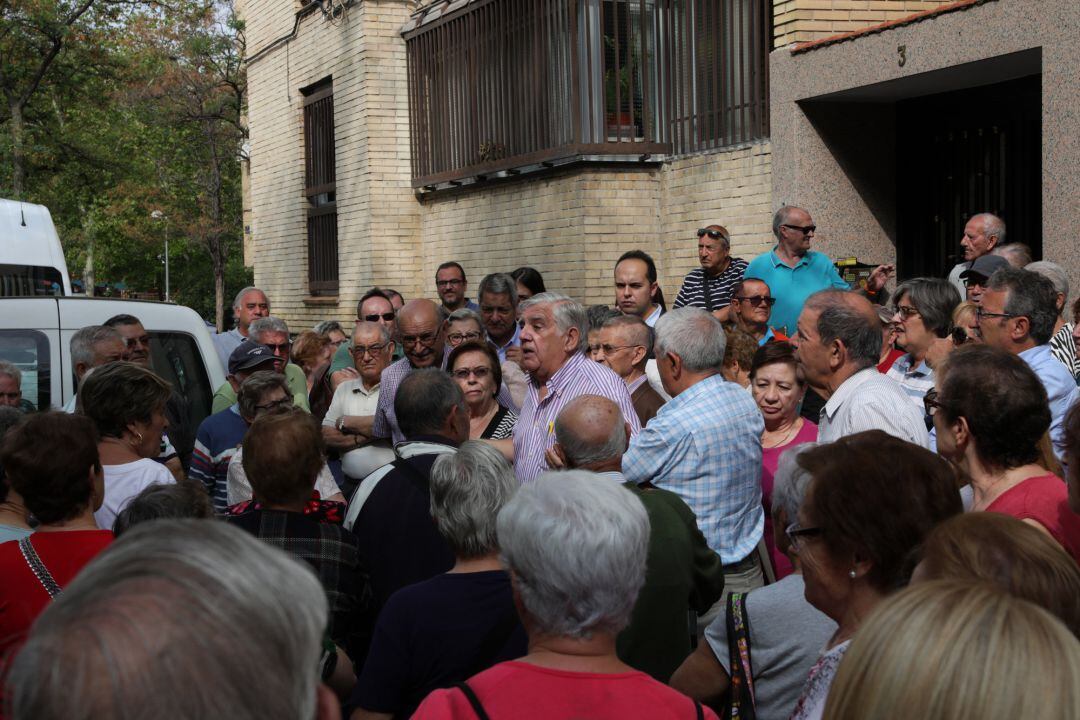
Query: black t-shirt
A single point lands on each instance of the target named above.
(435, 633)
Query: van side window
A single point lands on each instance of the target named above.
(176, 358)
(30, 280)
(28, 350)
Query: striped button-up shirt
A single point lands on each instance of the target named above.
(915, 380)
(535, 429)
(704, 445)
(692, 292)
(869, 400)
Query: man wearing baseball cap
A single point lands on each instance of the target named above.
(976, 276)
(248, 357)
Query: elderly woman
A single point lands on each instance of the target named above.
(963, 650)
(1062, 343)
(872, 501)
(312, 352)
(778, 388)
(438, 632)
(126, 403)
(185, 499)
(51, 461)
(786, 636)
(1009, 553)
(924, 308)
(465, 326)
(575, 544)
(475, 367)
(332, 331)
(991, 413)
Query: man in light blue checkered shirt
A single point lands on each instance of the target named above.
(705, 443)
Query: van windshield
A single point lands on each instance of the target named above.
(27, 280)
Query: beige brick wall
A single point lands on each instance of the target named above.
(803, 20)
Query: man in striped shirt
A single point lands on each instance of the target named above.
(553, 340)
(709, 287)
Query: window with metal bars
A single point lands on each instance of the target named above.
(320, 188)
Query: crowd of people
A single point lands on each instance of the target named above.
(783, 497)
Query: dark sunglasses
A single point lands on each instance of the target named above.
(714, 234)
(376, 317)
(756, 300)
(801, 228)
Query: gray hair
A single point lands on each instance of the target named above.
(424, 400)
(86, 339)
(239, 299)
(790, 481)
(576, 543)
(838, 320)
(696, 336)
(934, 298)
(1052, 272)
(11, 371)
(464, 313)
(220, 600)
(992, 226)
(362, 325)
(1017, 254)
(781, 218)
(1031, 295)
(568, 313)
(328, 326)
(265, 325)
(598, 316)
(175, 501)
(468, 489)
(579, 451)
(637, 331)
(256, 387)
(499, 284)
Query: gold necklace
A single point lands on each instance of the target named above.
(795, 427)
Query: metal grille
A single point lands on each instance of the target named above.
(320, 189)
(502, 84)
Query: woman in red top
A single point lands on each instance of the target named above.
(990, 411)
(51, 460)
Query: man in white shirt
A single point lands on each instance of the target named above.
(838, 345)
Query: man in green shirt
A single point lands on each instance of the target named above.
(274, 334)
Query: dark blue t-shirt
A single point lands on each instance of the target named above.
(435, 633)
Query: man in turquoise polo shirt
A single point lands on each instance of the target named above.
(794, 272)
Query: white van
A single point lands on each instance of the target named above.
(31, 258)
(35, 335)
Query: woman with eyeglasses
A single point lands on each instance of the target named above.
(923, 314)
(474, 365)
(872, 501)
(991, 414)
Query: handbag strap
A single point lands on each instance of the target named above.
(38, 567)
(473, 700)
(741, 703)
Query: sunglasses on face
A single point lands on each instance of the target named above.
(756, 300)
(804, 229)
(714, 234)
(379, 316)
(279, 348)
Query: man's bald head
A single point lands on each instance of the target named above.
(419, 328)
(591, 430)
(419, 310)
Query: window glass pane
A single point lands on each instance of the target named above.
(25, 280)
(28, 350)
(176, 358)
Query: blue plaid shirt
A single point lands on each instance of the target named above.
(705, 446)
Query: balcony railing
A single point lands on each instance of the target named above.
(496, 85)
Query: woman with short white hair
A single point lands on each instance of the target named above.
(575, 544)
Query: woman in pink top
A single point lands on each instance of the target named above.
(990, 411)
(778, 389)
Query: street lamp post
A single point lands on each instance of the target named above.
(158, 215)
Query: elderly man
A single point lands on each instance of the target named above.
(391, 510)
(348, 421)
(1018, 254)
(982, 233)
(684, 573)
(1062, 343)
(272, 333)
(623, 344)
(553, 341)
(751, 308)
(250, 305)
(175, 584)
(498, 310)
(636, 290)
(11, 388)
(452, 287)
(1017, 314)
(375, 307)
(794, 272)
(92, 347)
(709, 287)
(974, 279)
(838, 346)
(705, 445)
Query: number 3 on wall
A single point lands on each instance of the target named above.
(901, 50)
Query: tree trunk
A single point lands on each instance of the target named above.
(219, 294)
(18, 157)
(88, 268)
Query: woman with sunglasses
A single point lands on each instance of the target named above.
(991, 413)
(474, 365)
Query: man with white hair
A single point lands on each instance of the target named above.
(705, 444)
(273, 333)
(11, 388)
(553, 340)
(243, 624)
(91, 347)
(1062, 342)
(982, 233)
(250, 304)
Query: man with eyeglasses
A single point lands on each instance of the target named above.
(623, 345)
(975, 277)
(751, 308)
(709, 286)
(272, 333)
(794, 272)
(1017, 313)
(451, 285)
(375, 307)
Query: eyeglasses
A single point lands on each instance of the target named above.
(458, 338)
(610, 349)
(980, 314)
(479, 373)
(427, 339)
(339, 343)
(930, 402)
(714, 234)
(143, 340)
(795, 533)
(756, 300)
(274, 404)
(804, 229)
(282, 348)
(374, 349)
(379, 316)
(448, 283)
(906, 311)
